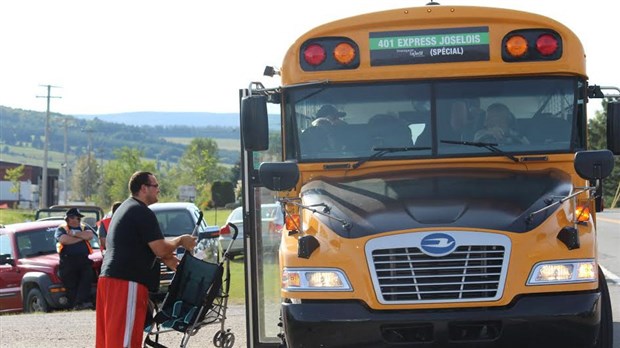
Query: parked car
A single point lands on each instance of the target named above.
(177, 218)
(272, 220)
(29, 262)
(91, 213)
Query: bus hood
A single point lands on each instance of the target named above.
(452, 199)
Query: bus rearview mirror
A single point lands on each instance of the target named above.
(254, 124)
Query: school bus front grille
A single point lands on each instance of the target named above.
(467, 274)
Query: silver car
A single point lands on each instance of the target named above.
(272, 220)
(177, 218)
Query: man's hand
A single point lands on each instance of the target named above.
(162, 247)
(171, 261)
(188, 242)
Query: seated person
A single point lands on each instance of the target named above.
(331, 113)
(456, 128)
(319, 137)
(387, 130)
(499, 127)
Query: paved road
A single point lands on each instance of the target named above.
(77, 330)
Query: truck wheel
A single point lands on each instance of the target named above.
(605, 334)
(35, 302)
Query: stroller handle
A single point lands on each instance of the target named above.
(234, 227)
(195, 231)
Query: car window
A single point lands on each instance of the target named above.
(174, 223)
(36, 242)
(236, 215)
(5, 245)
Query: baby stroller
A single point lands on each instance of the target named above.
(197, 296)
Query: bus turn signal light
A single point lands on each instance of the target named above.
(516, 46)
(292, 222)
(344, 53)
(582, 214)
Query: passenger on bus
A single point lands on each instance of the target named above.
(386, 130)
(330, 112)
(458, 126)
(499, 127)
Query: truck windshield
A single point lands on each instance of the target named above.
(518, 116)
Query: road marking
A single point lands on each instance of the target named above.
(611, 278)
(613, 221)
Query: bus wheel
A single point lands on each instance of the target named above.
(605, 334)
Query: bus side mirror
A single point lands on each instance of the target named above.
(613, 127)
(278, 176)
(254, 124)
(595, 164)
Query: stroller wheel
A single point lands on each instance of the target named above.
(229, 340)
(218, 339)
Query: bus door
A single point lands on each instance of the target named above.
(262, 222)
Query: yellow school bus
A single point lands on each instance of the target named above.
(433, 167)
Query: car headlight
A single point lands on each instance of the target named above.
(563, 271)
(314, 279)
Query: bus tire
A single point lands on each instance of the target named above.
(605, 334)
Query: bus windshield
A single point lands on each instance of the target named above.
(435, 118)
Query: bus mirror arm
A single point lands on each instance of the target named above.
(560, 201)
(325, 212)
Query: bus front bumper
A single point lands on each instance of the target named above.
(556, 320)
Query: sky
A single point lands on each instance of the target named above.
(119, 56)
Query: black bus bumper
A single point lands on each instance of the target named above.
(557, 320)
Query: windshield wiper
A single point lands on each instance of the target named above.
(489, 146)
(380, 151)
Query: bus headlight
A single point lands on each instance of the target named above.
(314, 279)
(565, 271)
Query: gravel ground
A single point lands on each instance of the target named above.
(77, 329)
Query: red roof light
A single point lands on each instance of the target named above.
(547, 44)
(314, 54)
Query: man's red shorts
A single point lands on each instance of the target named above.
(121, 312)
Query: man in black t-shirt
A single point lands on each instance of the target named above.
(135, 244)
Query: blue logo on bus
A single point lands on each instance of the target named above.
(438, 244)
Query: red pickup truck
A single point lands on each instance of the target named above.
(29, 279)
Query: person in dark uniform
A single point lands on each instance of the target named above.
(135, 245)
(75, 269)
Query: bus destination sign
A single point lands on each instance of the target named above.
(429, 46)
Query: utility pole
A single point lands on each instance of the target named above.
(89, 130)
(43, 190)
(65, 164)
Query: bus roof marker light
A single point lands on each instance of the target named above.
(547, 44)
(314, 54)
(516, 46)
(344, 53)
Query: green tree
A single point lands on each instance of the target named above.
(597, 128)
(116, 174)
(85, 179)
(13, 175)
(199, 166)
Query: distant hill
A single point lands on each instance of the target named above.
(152, 118)
(191, 119)
(22, 135)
